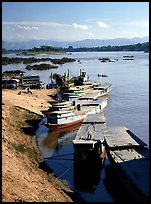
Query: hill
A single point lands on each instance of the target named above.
(9, 45)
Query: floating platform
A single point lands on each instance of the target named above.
(130, 161)
(121, 138)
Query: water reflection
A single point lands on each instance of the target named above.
(56, 139)
(115, 187)
(87, 175)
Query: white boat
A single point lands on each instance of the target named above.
(103, 88)
(64, 119)
(69, 113)
(71, 96)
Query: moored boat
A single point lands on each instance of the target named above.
(63, 119)
(104, 89)
(88, 141)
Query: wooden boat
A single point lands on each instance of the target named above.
(104, 89)
(71, 115)
(129, 159)
(65, 118)
(88, 141)
(102, 75)
(96, 105)
(57, 106)
(71, 96)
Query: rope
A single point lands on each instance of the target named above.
(65, 172)
(60, 159)
(58, 156)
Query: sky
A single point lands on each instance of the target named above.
(72, 21)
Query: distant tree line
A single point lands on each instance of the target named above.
(136, 47)
(46, 49)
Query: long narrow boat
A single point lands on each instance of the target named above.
(71, 96)
(97, 106)
(104, 89)
(63, 119)
(67, 105)
(66, 114)
(88, 141)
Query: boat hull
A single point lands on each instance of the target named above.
(54, 127)
(104, 94)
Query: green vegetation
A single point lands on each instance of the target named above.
(41, 67)
(16, 60)
(21, 124)
(21, 148)
(58, 50)
(46, 49)
(30, 116)
(137, 47)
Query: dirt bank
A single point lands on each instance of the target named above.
(22, 180)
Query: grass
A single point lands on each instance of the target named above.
(21, 124)
(30, 116)
(21, 148)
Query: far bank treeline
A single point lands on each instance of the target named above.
(49, 49)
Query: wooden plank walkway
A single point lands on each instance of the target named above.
(130, 160)
(132, 168)
(95, 119)
(90, 130)
(121, 138)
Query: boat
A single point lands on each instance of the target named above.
(88, 146)
(92, 101)
(66, 114)
(57, 106)
(104, 88)
(102, 75)
(63, 119)
(71, 96)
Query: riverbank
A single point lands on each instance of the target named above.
(22, 180)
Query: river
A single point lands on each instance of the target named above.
(128, 106)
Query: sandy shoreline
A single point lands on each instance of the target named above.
(22, 180)
(34, 102)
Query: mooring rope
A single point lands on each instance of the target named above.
(58, 156)
(65, 172)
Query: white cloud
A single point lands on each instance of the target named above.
(53, 24)
(27, 27)
(138, 23)
(84, 27)
(102, 24)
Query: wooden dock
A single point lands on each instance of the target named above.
(130, 160)
(91, 125)
(121, 138)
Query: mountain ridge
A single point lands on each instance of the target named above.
(9, 45)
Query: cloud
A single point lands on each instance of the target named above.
(36, 23)
(138, 23)
(102, 24)
(84, 27)
(27, 27)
